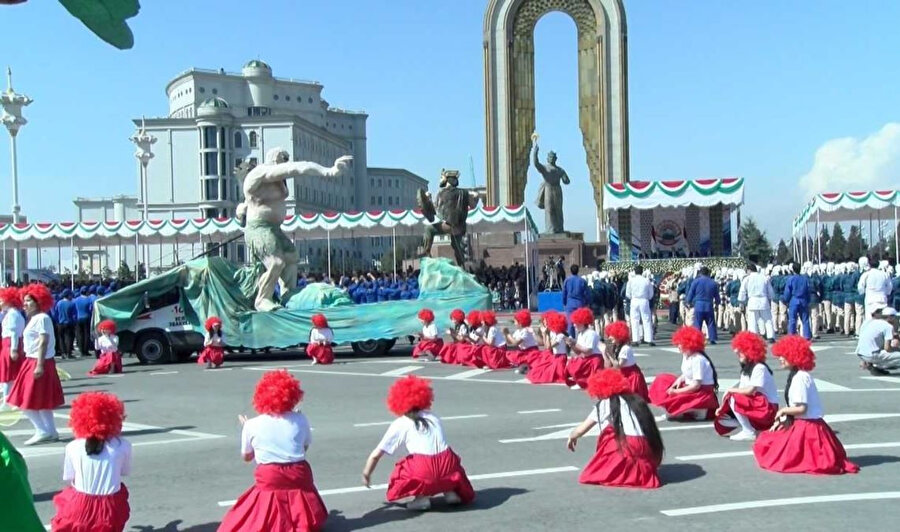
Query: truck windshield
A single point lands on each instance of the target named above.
(163, 300)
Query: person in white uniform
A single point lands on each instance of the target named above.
(757, 295)
(639, 291)
(875, 287)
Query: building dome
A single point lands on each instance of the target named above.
(212, 106)
(255, 67)
(256, 63)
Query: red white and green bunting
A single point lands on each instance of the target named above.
(653, 194)
(848, 207)
(307, 225)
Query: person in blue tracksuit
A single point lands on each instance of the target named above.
(796, 293)
(703, 295)
(83, 308)
(574, 296)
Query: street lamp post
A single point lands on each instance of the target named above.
(13, 120)
(144, 143)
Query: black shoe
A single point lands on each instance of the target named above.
(652, 344)
(522, 370)
(771, 340)
(878, 371)
(635, 344)
(712, 342)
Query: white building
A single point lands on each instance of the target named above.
(216, 120)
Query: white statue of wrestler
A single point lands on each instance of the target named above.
(262, 213)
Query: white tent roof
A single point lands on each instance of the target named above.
(848, 207)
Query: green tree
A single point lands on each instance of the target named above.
(783, 253)
(823, 241)
(837, 245)
(753, 243)
(856, 246)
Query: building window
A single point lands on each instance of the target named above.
(253, 139)
(372, 200)
(202, 90)
(287, 98)
(379, 201)
(372, 182)
(237, 162)
(238, 140)
(211, 193)
(209, 137)
(254, 161)
(310, 99)
(258, 111)
(210, 166)
(215, 91)
(390, 200)
(379, 183)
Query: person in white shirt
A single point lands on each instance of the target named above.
(11, 350)
(878, 348)
(639, 290)
(756, 294)
(213, 353)
(37, 390)
(95, 463)
(284, 496)
(430, 467)
(875, 287)
(549, 365)
(618, 354)
(107, 347)
(629, 448)
(468, 352)
(751, 405)
(458, 333)
(692, 394)
(800, 441)
(522, 342)
(493, 352)
(321, 338)
(587, 356)
(430, 342)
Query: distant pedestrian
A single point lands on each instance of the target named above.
(107, 346)
(213, 353)
(321, 338)
(430, 342)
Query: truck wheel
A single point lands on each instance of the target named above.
(373, 348)
(153, 348)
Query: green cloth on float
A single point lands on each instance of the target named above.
(16, 500)
(106, 18)
(216, 287)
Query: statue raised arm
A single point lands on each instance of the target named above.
(549, 196)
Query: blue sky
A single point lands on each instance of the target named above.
(756, 89)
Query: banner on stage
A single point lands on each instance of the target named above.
(668, 232)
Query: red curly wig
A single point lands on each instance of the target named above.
(40, 294)
(426, 315)
(319, 321)
(751, 345)
(489, 318)
(606, 383)
(583, 316)
(11, 296)
(211, 322)
(277, 392)
(457, 315)
(557, 323)
(523, 318)
(796, 351)
(107, 325)
(97, 415)
(689, 339)
(408, 394)
(618, 331)
(474, 319)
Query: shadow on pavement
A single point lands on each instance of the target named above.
(160, 430)
(873, 460)
(676, 473)
(45, 496)
(172, 526)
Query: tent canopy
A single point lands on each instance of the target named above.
(313, 226)
(848, 207)
(655, 194)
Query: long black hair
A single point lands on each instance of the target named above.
(787, 387)
(747, 368)
(713, 367)
(421, 423)
(93, 445)
(645, 419)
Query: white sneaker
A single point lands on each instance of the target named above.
(574, 387)
(452, 498)
(40, 438)
(743, 436)
(419, 504)
(661, 417)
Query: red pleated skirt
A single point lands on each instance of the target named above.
(494, 357)
(518, 357)
(213, 354)
(631, 466)
(677, 404)
(469, 355)
(448, 352)
(636, 380)
(80, 512)
(433, 346)
(419, 475)
(321, 353)
(28, 393)
(9, 368)
(547, 368)
(806, 446)
(107, 363)
(756, 407)
(283, 499)
(580, 368)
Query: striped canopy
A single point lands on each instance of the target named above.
(654, 194)
(849, 207)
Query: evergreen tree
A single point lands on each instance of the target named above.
(823, 242)
(753, 242)
(837, 245)
(783, 254)
(856, 246)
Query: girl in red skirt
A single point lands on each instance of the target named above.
(692, 394)
(213, 353)
(751, 405)
(549, 366)
(493, 352)
(630, 448)
(469, 352)
(618, 354)
(320, 339)
(107, 345)
(37, 390)
(587, 357)
(11, 349)
(430, 344)
(284, 497)
(430, 467)
(95, 499)
(458, 333)
(800, 441)
(522, 341)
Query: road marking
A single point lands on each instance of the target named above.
(216, 370)
(443, 418)
(539, 411)
(892, 380)
(735, 454)
(595, 431)
(486, 476)
(401, 371)
(163, 373)
(817, 348)
(873, 496)
(466, 374)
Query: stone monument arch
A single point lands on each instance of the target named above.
(509, 92)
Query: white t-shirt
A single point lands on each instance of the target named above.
(462, 330)
(872, 336)
(588, 339)
(403, 433)
(107, 344)
(629, 421)
(13, 327)
(99, 474)
(37, 325)
(761, 378)
(803, 391)
(218, 340)
(525, 337)
(626, 356)
(697, 368)
(476, 334)
(495, 337)
(277, 439)
(321, 336)
(430, 331)
(558, 343)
